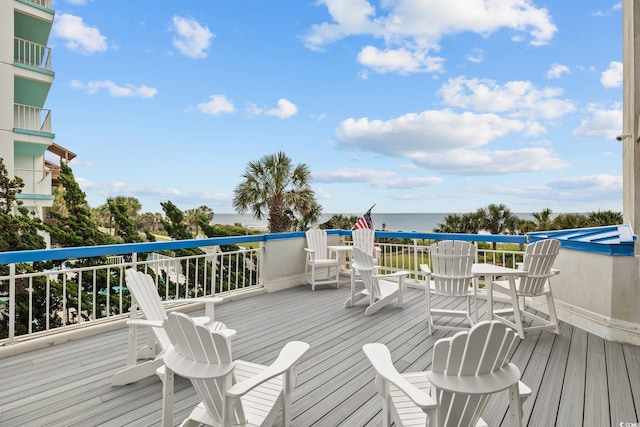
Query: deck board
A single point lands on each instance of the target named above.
(571, 374)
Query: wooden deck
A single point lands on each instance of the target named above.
(577, 379)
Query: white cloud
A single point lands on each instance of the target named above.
(217, 104)
(432, 130)
(557, 70)
(476, 56)
(602, 182)
(410, 29)
(400, 61)
(128, 90)
(78, 2)
(376, 178)
(192, 39)
(603, 123)
(612, 77)
(484, 162)
(284, 110)
(517, 98)
(78, 36)
(447, 142)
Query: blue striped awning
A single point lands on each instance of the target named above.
(611, 240)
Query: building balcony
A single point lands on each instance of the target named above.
(33, 55)
(32, 120)
(36, 181)
(57, 369)
(40, 8)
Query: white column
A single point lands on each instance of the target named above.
(631, 106)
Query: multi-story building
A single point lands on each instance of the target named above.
(25, 79)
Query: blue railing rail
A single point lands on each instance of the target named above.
(128, 248)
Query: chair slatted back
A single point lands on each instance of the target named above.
(317, 241)
(363, 262)
(451, 262)
(364, 238)
(484, 350)
(197, 345)
(538, 261)
(146, 296)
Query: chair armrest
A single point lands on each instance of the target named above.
(379, 356)
(144, 322)
(425, 269)
(401, 273)
(291, 353)
(523, 390)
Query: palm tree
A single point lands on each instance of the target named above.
(451, 223)
(194, 216)
(273, 186)
(498, 219)
(602, 218)
(304, 220)
(568, 221)
(542, 219)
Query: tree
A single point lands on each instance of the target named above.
(175, 224)
(19, 230)
(307, 219)
(568, 221)
(339, 222)
(195, 216)
(273, 186)
(75, 227)
(602, 218)
(451, 223)
(125, 225)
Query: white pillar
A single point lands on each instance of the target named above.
(631, 106)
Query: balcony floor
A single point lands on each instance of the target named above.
(577, 379)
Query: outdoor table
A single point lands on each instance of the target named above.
(489, 271)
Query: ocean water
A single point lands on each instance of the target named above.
(423, 222)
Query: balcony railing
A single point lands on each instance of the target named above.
(32, 54)
(43, 3)
(31, 118)
(57, 290)
(35, 181)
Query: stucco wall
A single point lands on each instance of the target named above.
(599, 293)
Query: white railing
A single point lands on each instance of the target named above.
(32, 54)
(88, 287)
(31, 118)
(43, 3)
(87, 291)
(35, 181)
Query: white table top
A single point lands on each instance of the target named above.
(482, 269)
(339, 248)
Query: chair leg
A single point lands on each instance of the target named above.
(313, 277)
(516, 307)
(167, 398)
(515, 407)
(552, 312)
(428, 299)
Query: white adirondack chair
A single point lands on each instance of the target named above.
(377, 287)
(318, 257)
(449, 275)
(364, 238)
(233, 392)
(466, 370)
(538, 262)
(146, 298)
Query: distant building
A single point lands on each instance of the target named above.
(25, 79)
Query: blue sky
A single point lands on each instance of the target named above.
(414, 105)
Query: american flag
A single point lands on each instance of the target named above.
(365, 221)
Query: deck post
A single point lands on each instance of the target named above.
(630, 109)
